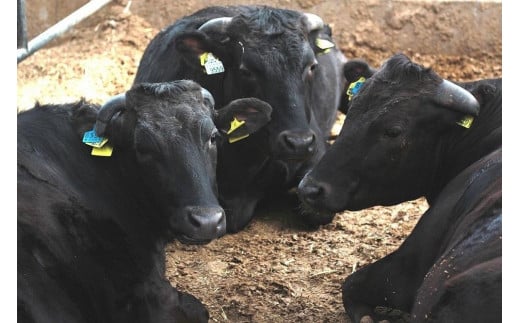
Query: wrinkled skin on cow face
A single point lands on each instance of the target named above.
(269, 54)
(170, 148)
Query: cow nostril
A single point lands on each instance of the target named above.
(311, 146)
(221, 225)
(312, 192)
(298, 142)
(206, 220)
(194, 220)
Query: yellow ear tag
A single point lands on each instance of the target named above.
(211, 64)
(466, 122)
(324, 45)
(235, 124)
(105, 151)
(203, 58)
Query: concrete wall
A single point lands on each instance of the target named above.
(432, 26)
(42, 14)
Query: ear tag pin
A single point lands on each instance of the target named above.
(353, 88)
(211, 64)
(466, 122)
(235, 124)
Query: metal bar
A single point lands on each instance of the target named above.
(21, 41)
(61, 27)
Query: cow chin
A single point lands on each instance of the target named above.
(288, 169)
(189, 240)
(316, 217)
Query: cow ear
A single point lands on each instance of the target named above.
(196, 45)
(116, 122)
(192, 43)
(353, 70)
(242, 117)
(356, 68)
(486, 91)
(83, 116)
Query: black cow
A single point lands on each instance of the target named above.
(94, 217)
(409, 133)
(283, 57)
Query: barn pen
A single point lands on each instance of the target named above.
(273, 270)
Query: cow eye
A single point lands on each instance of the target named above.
(393, 132)
(309, 71)
(213, 139)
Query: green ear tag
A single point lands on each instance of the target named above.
(353, 88)
(235, 124)
(466, 122)
(211, 64)
(324, 45)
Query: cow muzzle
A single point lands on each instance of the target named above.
(312, 193)
(202, 224)
(297, 145)
(313, 196)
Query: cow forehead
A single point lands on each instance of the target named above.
(268, 21)
(398, 81)
(270, 34)
(165, 102)
(181, 115)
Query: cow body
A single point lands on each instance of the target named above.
(92, 229)
(283, 57)
(407, 135)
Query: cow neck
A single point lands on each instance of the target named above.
(462, 147)
(135, 194)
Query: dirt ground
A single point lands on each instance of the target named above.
(274, 270)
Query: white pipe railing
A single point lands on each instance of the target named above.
(60, 28)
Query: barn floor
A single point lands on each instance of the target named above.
(275, 270)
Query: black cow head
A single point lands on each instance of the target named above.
(169, 133)
(388, 149)
(267, 54)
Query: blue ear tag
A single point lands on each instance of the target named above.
(98, 143)
(90, 138)
(353, 88)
